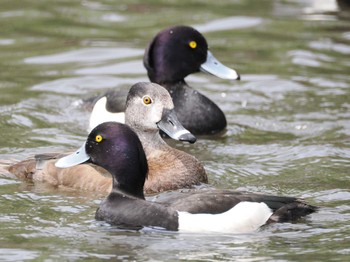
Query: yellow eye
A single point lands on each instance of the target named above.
(98, 138)
(193, 44)
(147, 100)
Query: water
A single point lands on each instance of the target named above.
(288, 118)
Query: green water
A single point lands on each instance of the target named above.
(288, 131)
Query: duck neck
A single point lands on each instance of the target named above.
(173, 85)
(151, 141)
(128, 167)
(131, 184)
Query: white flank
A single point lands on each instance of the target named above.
(100, 114)
(245, 217)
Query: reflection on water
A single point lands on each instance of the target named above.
(288, 132)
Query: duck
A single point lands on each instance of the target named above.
(149, 108)
(117, 148)
(173, 54)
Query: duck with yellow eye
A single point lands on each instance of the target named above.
(199, 211)
(98, 138)
(193, 44)
(147, 100)
(149, 109)
(172, 55)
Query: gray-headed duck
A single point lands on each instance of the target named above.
(173, 54)
(149, 108)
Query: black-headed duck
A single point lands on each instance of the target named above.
(115, 147)
(173, 54)
(149, 108)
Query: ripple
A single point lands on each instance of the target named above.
(229, 23)
(7, 41)
(95, 5)
(247, 160)
(308, 58)
(69, 209)
(130, 67)
(85, 55)
(346, 35)
(329, 45)
(14, 254)
(333, 195)
(84, 84)
(319, 6)
(12, 13)
(333, 85)
(113, 17)
(319, 10)
(7, 181)
(272, 85)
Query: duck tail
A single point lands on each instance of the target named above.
(4, 166)
(292, 212)
(23, 169)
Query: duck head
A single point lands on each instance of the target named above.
(149, 107)
(179, 51)
(116, 148)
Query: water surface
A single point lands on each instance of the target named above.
(288, 122)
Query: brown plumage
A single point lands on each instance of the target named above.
(169, 168)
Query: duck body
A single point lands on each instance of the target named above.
(129, 212)
(172, 55)
(212, 211)
(215, 201)
(41, 169)
(169, 168)
(206, 117)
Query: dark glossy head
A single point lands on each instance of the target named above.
(175, 53)
(117, 148)
(178, 51)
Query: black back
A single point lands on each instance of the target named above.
(217, 201)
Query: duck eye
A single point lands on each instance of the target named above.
(193, 44)
(147, 100)
(98, 138)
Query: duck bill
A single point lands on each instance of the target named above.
(76, 158)
(214, 67)
(170, 125)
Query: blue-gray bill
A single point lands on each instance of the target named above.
(171, 126)
(78, 157)
(214, 67)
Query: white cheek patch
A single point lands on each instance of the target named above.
(245, 217)
(100, 114)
